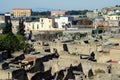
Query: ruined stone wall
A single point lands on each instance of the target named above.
(4, 75)
(114, 40)
(115, 54)
(115, 68)
(60, 64)
(63, 63)
(87, 65)
(58, 46)
(38, 48)
(103, 76)
(102, 57)
(18, 74)
(80, 49)
(73, 48)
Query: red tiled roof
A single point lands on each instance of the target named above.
(116, 47)
(104, 52)
(106, 27)
(100, 25)
(29, 59)
(112, 61)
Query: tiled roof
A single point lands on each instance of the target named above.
(29, 59)
(22, 9)
(116, 47)
(112, 61)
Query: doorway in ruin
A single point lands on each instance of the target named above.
(70, 75)
(65, 48)
(90, 73)
(55, 50)
(60, 75)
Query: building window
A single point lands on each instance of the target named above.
(37, 26)
(63, 23)
(42, 25)
(118, 18)
(32, 26)
(49, 26)
(41, 20)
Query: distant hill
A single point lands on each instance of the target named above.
(42, 9)
(2, 12)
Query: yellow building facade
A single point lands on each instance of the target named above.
(58, 13)
(22, 12)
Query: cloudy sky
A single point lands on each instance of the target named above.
(7, 5)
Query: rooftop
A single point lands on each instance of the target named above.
(29, 59)
(116, 47)
(22, 9)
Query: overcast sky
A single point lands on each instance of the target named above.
(7, 5)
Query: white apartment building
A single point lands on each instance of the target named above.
(61, 22)
(98, 21)
(15, 24)
(108, 20)
(91, 15)
(114, 17)
(114, 20)
(2, 19)
(47, 23)
(44, 24)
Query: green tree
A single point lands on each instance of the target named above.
(10, 42)
(21, 27)
(117, 6)
(22, 43)
(44, 13)
(1, 41)
(77, 12)
(8, 27)
(100, 29)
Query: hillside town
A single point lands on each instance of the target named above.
(60, 46)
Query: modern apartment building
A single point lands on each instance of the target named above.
(114, 17)
(22, 12)
(15, 24)
(2, 19)
(47, 23)
(63, 22)
(98, 21)
(58, 13)
(113, 20)
(91, 15)
(44, 24)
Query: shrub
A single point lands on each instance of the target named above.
(99, 71)
(73, 53)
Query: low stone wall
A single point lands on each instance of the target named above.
(38, 64)
(73, 48)
(58, 46)
(103, 76)
(4, 55)
(11, 74)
